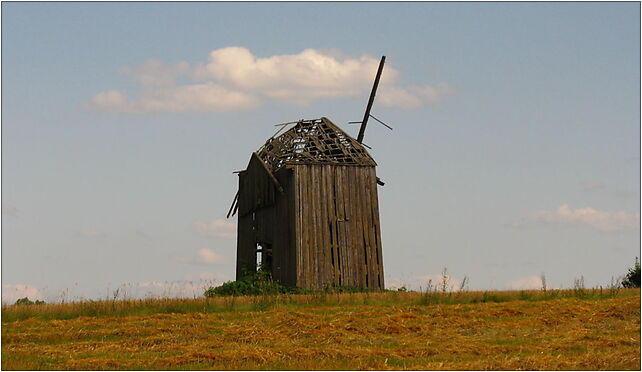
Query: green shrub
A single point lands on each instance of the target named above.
(259, 283)
(632, 278)
(27, 301)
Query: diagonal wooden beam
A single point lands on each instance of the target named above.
(366, 116)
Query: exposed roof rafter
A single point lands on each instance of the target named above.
(317, 141)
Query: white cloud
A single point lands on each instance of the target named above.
(599, 220)
(112, 100)
(160, 93)
(529, 282)
(208, 256)
(155, 73)
(434, 94)
(235, 79)
(204, 256)
(218, 228)
(393, 96)
(297, 78)
(207, 97)
(12, 292)
(9, 210)
(413, 96)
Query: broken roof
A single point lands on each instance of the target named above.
(317, 141)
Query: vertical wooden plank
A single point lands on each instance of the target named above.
(309, 235)
(348, 199)
(375, 212)
(311, 228)
(363, 257)
(339, 212)
(368, 228)
(319, 224)
(284, 225)
(318, 228)
(363, 246)
(338, 217)
(330, 223)
(357, 263)
(305, 247)
(305, 228)
(297, 226)
(291, 228)
(354, 264)
(343, 231)
(367, 218)
(292, 268)
(277, 237)
(372, 190)
(326, 199)
(364, 227)
(300, 233)
(279, 232)
(358, 231)
(335, 227)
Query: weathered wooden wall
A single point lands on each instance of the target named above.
(265, 216)
(338, 236)
(323, 228)
(284, 261)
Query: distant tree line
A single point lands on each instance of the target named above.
(27, 301)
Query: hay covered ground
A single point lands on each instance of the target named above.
(473, 330)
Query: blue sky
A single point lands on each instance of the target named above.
(515, 149)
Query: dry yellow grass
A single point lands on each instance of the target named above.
(564, 333)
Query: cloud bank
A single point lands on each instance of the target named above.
(432, 282)
(12, 292)
(218, 228)
(604, 221)
(204, 256)
(208, 256)
(529, 282)
(235, 79)
(9, 210)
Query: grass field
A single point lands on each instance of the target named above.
(571, 329)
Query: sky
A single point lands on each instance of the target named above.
(515, 153)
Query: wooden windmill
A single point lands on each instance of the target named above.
(308, 209)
